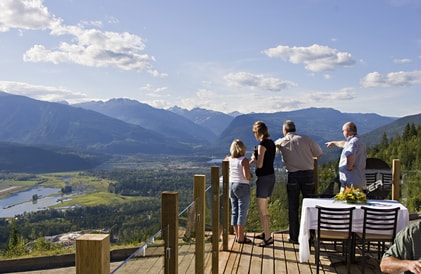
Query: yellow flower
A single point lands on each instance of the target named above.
(351, 195)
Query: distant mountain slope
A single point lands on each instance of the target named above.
(213, 120)
(322, 124)
(30, 159)
(392, 130)
(162, 121)
(34, 122)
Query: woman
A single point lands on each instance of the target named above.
(239, 175)
(265, 182)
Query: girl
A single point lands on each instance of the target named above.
(239, 174)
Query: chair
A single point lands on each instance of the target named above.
(379, 226)
(334, 224)
(378, 176)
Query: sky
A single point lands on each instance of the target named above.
(243, 56)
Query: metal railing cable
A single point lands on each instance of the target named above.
(142, 249)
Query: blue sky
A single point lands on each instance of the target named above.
(247, 56)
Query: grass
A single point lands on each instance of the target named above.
(96, 198)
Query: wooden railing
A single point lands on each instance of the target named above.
(92, 250)
(396, 180)
(199, 200)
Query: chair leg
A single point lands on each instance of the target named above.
(383, 248)
(316, 255)
(363, 255)
(348, 256)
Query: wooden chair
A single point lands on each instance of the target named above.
(334, 224)
(379, 226)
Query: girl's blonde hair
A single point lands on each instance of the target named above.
(237, 149)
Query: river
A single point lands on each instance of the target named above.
(21, 202)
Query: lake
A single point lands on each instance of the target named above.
(20, 202)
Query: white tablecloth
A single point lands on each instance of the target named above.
(309, 218)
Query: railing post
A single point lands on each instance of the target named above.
(225, 204)
(215, 218)
(169, 225)
(199, 201)
(396, 180)
(93, 254)
(316, 175)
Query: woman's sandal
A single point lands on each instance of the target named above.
(245, 241)
(260, 236)
(266, 242)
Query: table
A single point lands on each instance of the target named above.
(309, 218)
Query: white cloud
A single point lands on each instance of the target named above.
(150, 87)
(256, 82)
(204, 94)
(402, 61)
(88, 46)
(280, 104)
(24, 14)
(161, 89)
(392, 79)
(155, 92)
(147, 87)
(112, 20)
(158, 103)
(341, 95)
(94, 48)
(97, 24)
(156, 73)
(315, 57)
(44, 93)
(203, 98)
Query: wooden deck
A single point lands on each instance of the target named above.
(282, 257)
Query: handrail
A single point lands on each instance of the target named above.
(143, 247)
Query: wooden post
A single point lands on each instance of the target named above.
(215, 218)
(396, 179)
(93, 254)
(316, 175)
(169, 226)
(199, 201)
(225, 205)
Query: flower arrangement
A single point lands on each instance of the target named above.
(351, 195)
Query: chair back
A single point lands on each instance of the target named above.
(334, 224)
(381, 221)
(337, 219)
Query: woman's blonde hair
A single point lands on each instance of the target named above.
(237, 149)
(261, 130)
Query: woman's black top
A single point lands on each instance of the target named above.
(268, 159)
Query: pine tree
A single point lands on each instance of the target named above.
(13, 237)
(16, 243)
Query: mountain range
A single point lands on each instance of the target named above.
(123, 126)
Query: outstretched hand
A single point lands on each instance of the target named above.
(330, 144)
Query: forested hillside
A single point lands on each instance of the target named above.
(130, 213)
(406, 148)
